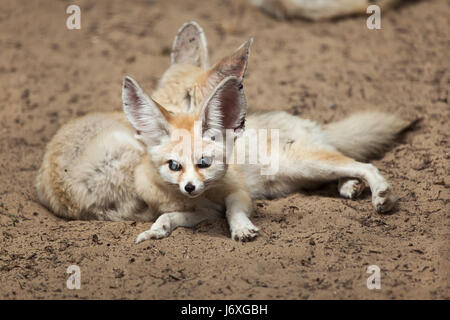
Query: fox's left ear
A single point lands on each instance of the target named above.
(232, 65)
(189, 46)
(225, 108)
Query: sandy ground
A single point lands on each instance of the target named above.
(312, 244)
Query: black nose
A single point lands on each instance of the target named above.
(189, 187)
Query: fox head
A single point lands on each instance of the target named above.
(188, 149)
(190, 80)
(184, 130)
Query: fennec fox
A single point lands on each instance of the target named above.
(318, 9)
(130, 166)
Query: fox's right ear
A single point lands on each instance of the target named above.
(148, 117)
(189, 46)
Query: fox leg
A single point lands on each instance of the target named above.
(239, 206)
(328, 165)
(350, 188)
(167, 222)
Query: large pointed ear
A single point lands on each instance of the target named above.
(234, 64)
(148, 117)
(189, 46)
(225, 108)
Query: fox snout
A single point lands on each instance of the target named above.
(189, 187)
(191, 183)
(192, 189)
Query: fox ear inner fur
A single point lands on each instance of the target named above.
(225, 108)
(146, 116)
(190, 46)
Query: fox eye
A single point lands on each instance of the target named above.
(174, 166)
(205, 162)
(188, 100)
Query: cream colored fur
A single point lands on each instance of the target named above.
(318, 9)
(364, 135)
(115, 166)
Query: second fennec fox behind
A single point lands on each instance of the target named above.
(117, 166)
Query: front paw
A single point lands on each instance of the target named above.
(244, 232)
(351, 188)
(384, 200)
(160, 229)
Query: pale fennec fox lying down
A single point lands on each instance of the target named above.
(129, 166)
(318, 9)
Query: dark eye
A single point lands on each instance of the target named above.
(205, 162)
(174, 166)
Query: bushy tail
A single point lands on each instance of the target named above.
(364, 136)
